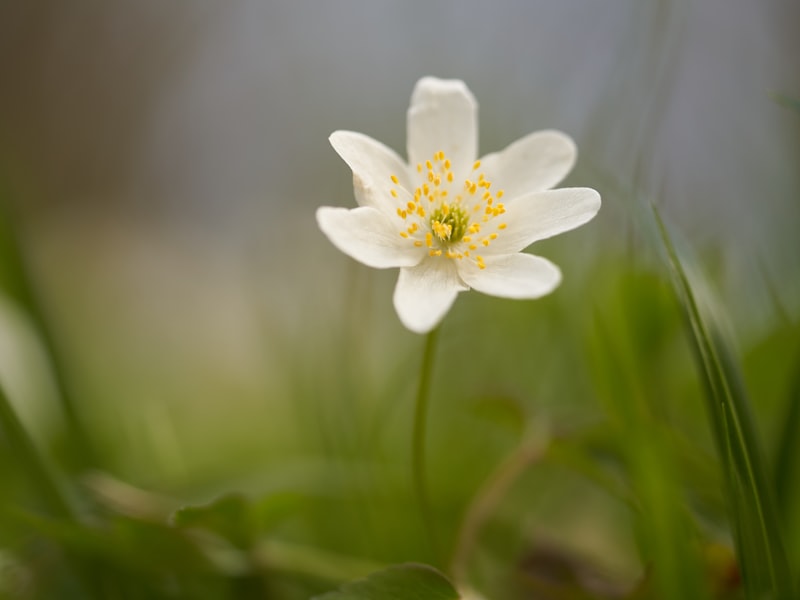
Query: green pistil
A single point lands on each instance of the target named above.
(455, 217)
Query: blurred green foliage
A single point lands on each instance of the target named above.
(581, 446)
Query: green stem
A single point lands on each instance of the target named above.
(420, 420)
(34, 464)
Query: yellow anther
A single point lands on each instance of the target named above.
(493, 236)
(411, 206)
(473, 188)
(426, 189)
(476, 165)
(419, 167)
(394, 178)
(440, 156)
(417, 243)
(473, 247)
(429, 239)
(420, 211)
(437, 180)
(430, 176)
(442, 230)
(428, 164)
(502, 226)
(485, 241)
(466, 239)
(451, 254)
(500, 193)
(403, 234)
(394, 193)
(487, 196)
(435, 253)
(450, 176)
(474, 228)
(447, 164)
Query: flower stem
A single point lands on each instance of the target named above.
(420, 416)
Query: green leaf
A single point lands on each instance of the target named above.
(760, 548)
(401, 582)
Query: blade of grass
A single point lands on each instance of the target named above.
(787, 468)
(17, 281)
(760, 548)
(36, 468)
(659, 502)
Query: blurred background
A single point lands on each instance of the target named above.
(162, 162)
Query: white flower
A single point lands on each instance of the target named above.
(448, 221)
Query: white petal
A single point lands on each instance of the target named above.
(536, 162)
(512, 276)
(367, 235)
(425, 293)
(373, 165)
(443, 116)
(542, 215)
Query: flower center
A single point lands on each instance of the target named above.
(449, 223)
(453, 221)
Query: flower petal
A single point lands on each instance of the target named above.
(536, 162)
(542, 215)
(425, 293)
(521, 276)
(367, 235)
(443, 116)
(373, 165)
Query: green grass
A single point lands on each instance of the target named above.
(607, 441)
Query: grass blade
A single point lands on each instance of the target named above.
(18, 283)
(760, 549)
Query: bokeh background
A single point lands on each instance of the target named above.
(163, 161)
